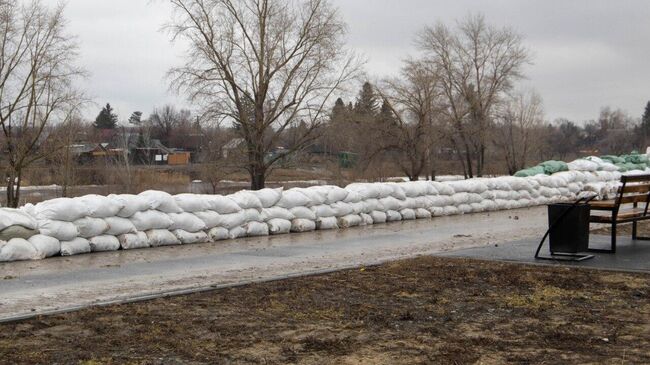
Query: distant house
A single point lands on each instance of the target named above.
(236, 145)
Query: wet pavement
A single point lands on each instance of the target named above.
(631, 256)
(66, 283)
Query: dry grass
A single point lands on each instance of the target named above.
(428, 310)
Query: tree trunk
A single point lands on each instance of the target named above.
(258, 179)
(13, 189)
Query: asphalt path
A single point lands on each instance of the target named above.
(61, 284)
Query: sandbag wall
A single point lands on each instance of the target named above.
(93, 223)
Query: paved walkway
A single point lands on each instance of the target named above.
(66, 283)
(632, 256)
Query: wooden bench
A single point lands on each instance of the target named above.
(629, 206)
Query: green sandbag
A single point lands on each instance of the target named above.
(532, 171)
(613, 159)
(636, 159)
(551, 167)
(16, 232)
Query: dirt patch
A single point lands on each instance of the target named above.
(426, 310)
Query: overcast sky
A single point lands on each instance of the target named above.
(587, 53)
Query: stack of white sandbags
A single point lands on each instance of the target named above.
(70, 226)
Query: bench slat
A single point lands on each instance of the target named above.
(637, 198)
(635, 178)
(637, 188)
(622, 216)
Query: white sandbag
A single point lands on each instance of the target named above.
(222, 204)
(367, 219)
(63, 231)
(414, 189)
(422, 213)
(131, 204)
(76, 246)
(17, 249)
(90, 227)
(161, 201)
(61, 209)
(100, 206)
(476, 207)
(133, 241)
(397, 191)
(315, 194)
(323, 211)
(342, 209)
(374, 204)
(237, 232)
(293, 198)
(409, 203)
(488, 195)
(230, 221)
(390, 203)
(443, 188)
(104, 243)
(436, 211)
(367, 191)
(218, 234)
(151, 219)
(246, 200)
(256, 229)
(450, 210)
(303, 213)
(353, 197)
(277, 213)
(210, 218)
(326, 223)
(186, 222)
(15, 217)
(461, 198)
(252, 215)
(304, 225)
(268, 197)
(161, 237)
(440, 201)
(118, 226)
(393, 216)
(583, 165)
(190, 237)
(351, 220)
(279, 226)
(408, 214)
(45, 246)
(358, 208)
(378, 217)
(336, 194)
(192, 202)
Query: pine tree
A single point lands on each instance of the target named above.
(106, 118)
(645, 120)
(136, 118)
(367, 103)
(386, 115)
(643, 130)
(339, 111)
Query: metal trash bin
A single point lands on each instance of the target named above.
(570, 234)
(568, 231)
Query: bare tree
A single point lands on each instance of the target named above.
(36, 83)
(517, 129)
(478, 64)
(164, 120)
(262, 65)
(414, 100)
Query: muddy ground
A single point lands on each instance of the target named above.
(426, 310)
